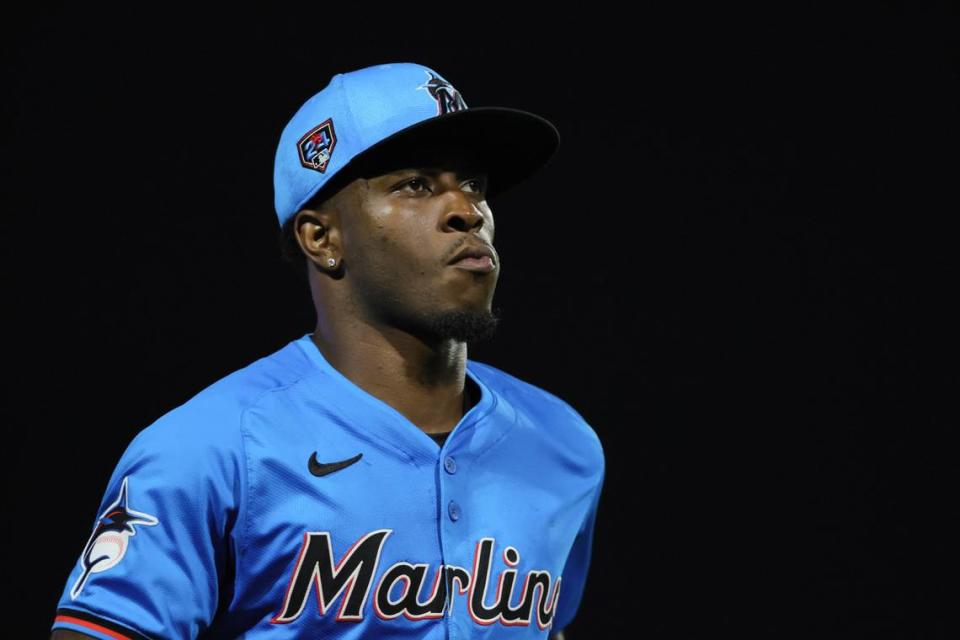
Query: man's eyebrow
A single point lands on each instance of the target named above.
(460, 171)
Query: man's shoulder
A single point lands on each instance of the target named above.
(519, 390)
(212, 416)
(536, 401)
(244, 386)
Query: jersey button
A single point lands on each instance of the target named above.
(454, 510)
(450, 464)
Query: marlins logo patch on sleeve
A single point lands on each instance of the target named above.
(110, 538)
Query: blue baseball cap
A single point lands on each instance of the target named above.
(400, 107)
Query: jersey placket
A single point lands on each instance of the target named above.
(450, 462)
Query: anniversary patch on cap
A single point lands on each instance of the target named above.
(316, 146)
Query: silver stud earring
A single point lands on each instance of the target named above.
(331, 262)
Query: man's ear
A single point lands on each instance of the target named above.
(318, 232)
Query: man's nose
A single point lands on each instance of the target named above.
(462, 212)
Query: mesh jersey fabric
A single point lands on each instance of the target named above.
(213, 522)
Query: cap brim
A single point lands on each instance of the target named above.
(510, 145)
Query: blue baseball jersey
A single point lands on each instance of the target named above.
(284, 501)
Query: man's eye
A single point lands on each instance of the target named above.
(478, 184)
(413, 183)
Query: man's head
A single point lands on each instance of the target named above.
(393, 232)
(388, 173)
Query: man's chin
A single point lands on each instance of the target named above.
(463, 325)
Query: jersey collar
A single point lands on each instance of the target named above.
(390, 423)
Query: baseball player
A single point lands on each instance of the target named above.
(367, 479)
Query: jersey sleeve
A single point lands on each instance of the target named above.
(574, 576)
(161, 546)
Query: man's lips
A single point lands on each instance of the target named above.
(476, 257)
(484, 264)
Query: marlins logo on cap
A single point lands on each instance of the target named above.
(448, 99)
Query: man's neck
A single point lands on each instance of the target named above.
(424, 384)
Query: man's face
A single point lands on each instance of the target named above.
(405, 224)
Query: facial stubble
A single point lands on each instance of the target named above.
(468, 326)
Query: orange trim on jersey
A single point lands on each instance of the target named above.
(91, 626)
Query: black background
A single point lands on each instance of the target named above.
(739, 268)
